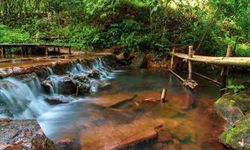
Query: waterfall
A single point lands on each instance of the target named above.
(24, 97)
(105, 71)
(49, 71)
(22, 100)
(55, 82)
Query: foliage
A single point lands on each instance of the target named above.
(234, 88)
(14, 36)
(243, 50)
(137, 25)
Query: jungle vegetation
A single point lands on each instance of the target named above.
(136, 25)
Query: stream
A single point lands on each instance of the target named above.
(94, 120)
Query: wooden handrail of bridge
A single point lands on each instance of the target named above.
(31, 44)
(228, 61)
(225, 62)
(24, 46)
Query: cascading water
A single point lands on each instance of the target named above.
(103, 68)
(21, 100)
(49, 71)
(25, 98)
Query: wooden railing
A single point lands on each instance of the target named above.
(224, 62)
(26, 47)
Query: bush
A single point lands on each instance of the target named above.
(243, 50)
(8, 35)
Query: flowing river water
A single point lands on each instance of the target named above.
(95, 119)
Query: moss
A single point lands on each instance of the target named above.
(230, 107)
(233, 136)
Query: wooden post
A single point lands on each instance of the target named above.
(4, 52)
(225, 69)
(1, 51)
(59, 51)
(172, 59)
(163, 95)
(70, 50)
(46, 51)
(190, 55)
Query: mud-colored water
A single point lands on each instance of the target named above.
(103, 120)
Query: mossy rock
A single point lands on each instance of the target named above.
(235, 109)
(232, 107)
(240, 132)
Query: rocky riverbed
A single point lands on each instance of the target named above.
(23, 134)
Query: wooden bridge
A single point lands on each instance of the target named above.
(224, 62)
(33, 48)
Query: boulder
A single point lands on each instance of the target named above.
(140, 61)
(234, 108)
(23, 134)
(67, 87)
(94, 74)
(58, 99)
(238, 137)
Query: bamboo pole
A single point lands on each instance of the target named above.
(172, 59)
(225, 69)
(46, 51)
(70, 50)
(59, 51)
(175, 74)
(4, 52)
(207, 78)
(163, 95)
(230, 61)
(190, 55)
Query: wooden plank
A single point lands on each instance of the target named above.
(231, 61)
(31, 44)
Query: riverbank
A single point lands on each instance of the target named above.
(234, 108)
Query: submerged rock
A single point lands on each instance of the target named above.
(235, 108)
(58, 99)
(23, 134)
(68, 144)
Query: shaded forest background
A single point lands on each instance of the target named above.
(136, 25)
